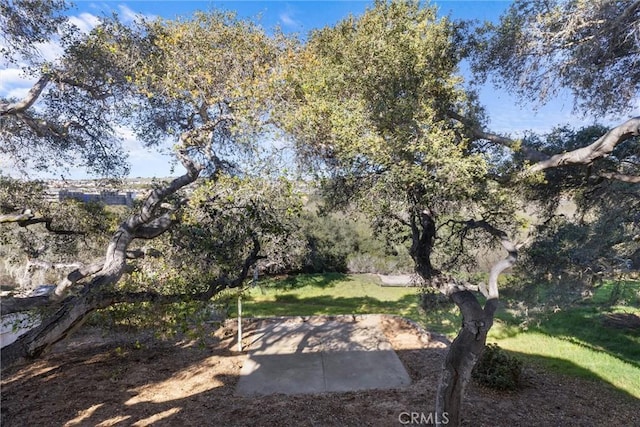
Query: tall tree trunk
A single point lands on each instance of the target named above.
(467, 347)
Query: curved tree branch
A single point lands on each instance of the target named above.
(602, 147)
(154, 228)
(530, 154)
(467, 347)
(30, 99)
(72, 278)
(16, 304)
(74, 310)
(17, 217)
(632, 179)
(512, 255)
(27, 218)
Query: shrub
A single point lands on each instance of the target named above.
(497, 369)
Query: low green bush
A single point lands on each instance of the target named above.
(497, 369)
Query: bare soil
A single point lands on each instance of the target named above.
(106, 379)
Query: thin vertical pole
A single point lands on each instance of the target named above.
(239, 323)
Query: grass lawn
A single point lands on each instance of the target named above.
(328, 294)
(569, 357)
(577, 340)
(573, 341)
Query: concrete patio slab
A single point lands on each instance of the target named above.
(316, 355)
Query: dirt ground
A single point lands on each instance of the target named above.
(108, 379)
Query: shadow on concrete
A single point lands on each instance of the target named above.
(318, 355)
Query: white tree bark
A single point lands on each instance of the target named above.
(602, 147)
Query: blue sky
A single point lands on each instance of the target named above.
(506, 115)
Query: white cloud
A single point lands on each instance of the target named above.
(15, 83)
(13, 78)
(50, 50)
(287, 17)
(85, 21)
(128, 15)
(287, 20)
(17, 93)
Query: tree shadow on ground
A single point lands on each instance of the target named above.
(587, 328)
(120, 384)
(293, 305)
(110, 384)
(297, 281)
(568, 369)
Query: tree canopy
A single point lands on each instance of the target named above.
(374, 105)
(591, 48)
(372, 97)
(202, 83)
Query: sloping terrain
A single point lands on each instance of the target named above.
(108, 379)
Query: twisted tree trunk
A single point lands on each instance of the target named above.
(467, 347)
(56, 327)
(73, 311)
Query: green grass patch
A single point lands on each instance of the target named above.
(570, 358)
(329, 294)
(577, 340)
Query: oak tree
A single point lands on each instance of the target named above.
(376, 105)
(202, 84)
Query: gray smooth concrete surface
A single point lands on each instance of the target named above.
(316, 355)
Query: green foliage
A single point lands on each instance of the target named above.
(585, 226)
(225, 220)
(370, 99)
(188, 319)
(58, 232)
(578, 183)
(25, 23)
(339, 242)
(329, 241)
(80, 99)
(498, 369)
(594, 243)
(210, 75)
